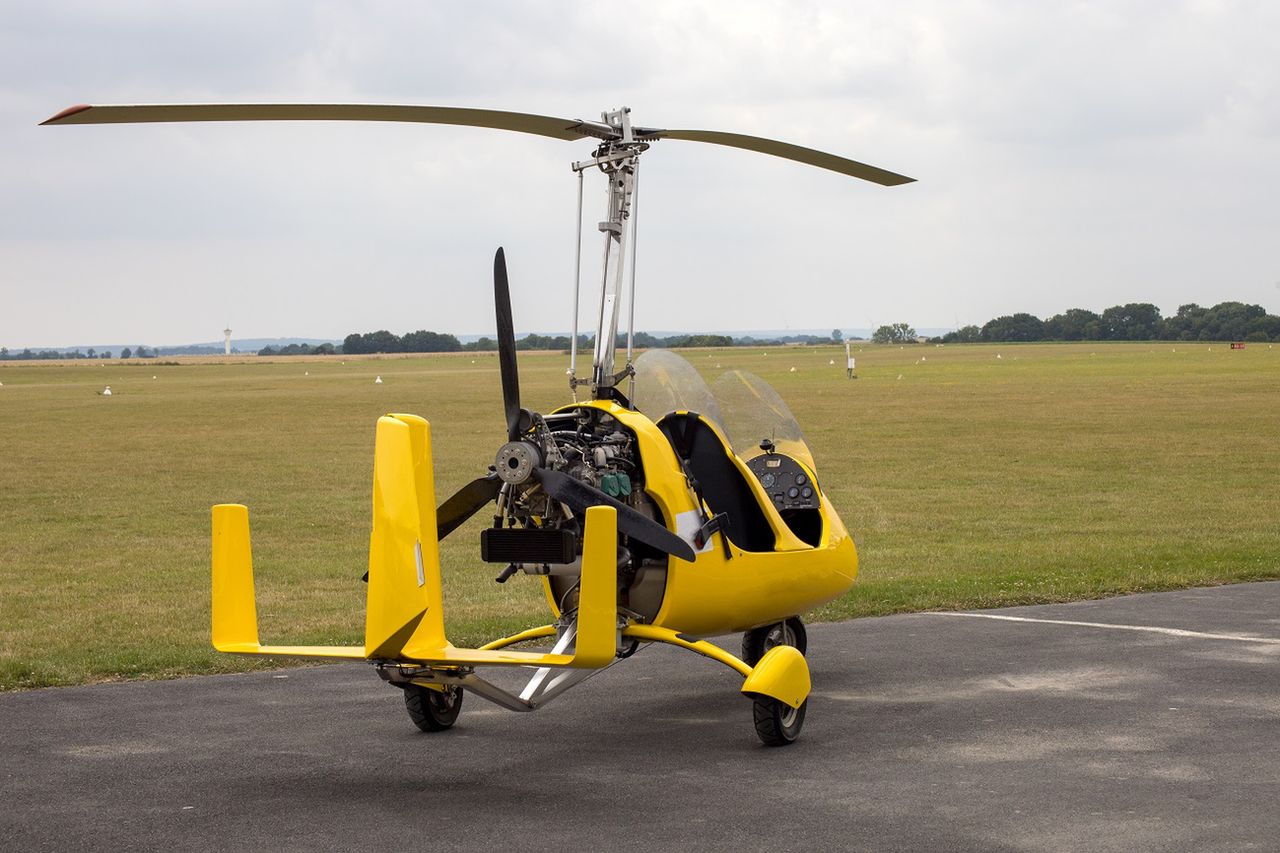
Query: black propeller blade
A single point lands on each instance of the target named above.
(518, 420)
(465, 503)
(577, 495)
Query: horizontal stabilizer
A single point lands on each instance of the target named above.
(404, 619)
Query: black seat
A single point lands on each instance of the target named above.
(723, 486)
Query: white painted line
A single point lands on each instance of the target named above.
(1172, 632)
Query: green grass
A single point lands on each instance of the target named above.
(1055, 472)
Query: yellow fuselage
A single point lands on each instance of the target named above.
(718, 595)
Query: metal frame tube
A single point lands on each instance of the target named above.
(577, 289)
(631, 310)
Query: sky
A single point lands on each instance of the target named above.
(1067, 155)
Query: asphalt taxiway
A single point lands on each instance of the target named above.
(1149, 722)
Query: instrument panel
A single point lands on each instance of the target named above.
(785, 481)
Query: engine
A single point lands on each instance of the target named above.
(537, 534)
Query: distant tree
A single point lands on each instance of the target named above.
(1075, 324)
(4, 352)
(1136, 321)
(837, 336)
(325, 348)
(1232, 321)
(141, 352)
(126, 353)
(382, 341)
(481, 345)
(91, 353)
(1185, 325)
(963, 335)
(896, 333)
(707, 341)
(424, 341)
(1014, 327)
(106, 354)
(1268, 325)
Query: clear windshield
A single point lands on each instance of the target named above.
(666, 383)
(744, 406)
(752, 411)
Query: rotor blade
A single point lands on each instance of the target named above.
(577, 495)
(786, 150)
(539, 125)
(507, 348)
(465, 503)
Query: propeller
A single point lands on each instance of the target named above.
(465, 503)
(518, 420)
(578, 496)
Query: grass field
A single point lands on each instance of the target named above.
(970, 476)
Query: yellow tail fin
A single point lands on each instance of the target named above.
(405, 594)
(235, 614)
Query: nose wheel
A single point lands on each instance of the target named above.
(777, 723)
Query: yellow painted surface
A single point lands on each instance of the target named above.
(717, 596)
(653, 633)
(597, 642)
(235, 616)
(782, 674)
(531, 634)
(404, 566)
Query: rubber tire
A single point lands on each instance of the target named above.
(757, 641)
(432, 710)
(778, 724)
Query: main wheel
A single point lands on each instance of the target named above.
(757, 641)
(433, 710)
(777, 723)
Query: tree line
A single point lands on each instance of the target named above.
(54, 355)
(383, 341)
(1136, 321)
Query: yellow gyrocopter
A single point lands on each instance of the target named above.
(670, 513)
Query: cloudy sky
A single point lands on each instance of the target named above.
(1067, 155)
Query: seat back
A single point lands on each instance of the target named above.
(724, 488)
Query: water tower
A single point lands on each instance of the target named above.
(226, 342)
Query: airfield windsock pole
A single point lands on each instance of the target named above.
(226, 342)
(848, 356)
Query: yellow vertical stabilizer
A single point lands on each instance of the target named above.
(405, 593)
(597, 639)
(235, 613)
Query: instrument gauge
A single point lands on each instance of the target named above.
(768, 479)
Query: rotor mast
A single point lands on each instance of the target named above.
(619, 159)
